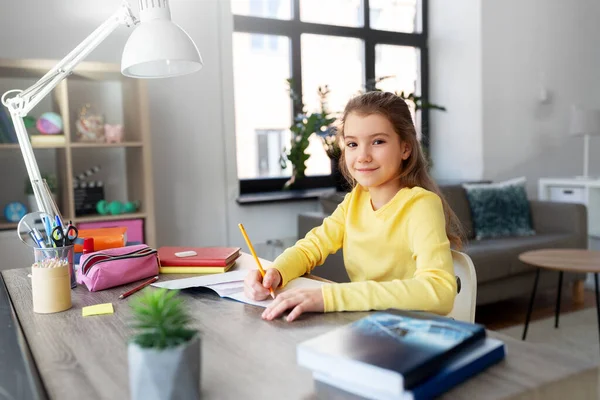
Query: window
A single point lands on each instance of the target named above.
(269, 143)
(343, 44)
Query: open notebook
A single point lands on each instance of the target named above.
(231, 285)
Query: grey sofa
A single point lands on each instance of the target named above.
(500, 274)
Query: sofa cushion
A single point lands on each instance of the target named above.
(499, 258)
(500, 209)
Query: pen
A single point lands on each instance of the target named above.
(36, 236)
(47, 228)
(140, 287)
(260, 268)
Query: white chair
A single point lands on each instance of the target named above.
(464, 304)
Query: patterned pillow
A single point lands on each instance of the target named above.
(499, 209)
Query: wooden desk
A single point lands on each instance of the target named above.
(86, 358)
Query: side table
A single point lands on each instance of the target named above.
(562, 260)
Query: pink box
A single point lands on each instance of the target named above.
(135, 227)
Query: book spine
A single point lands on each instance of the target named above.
(190, 270)
(103, 242)
(181, 262)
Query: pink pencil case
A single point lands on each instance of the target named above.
(114, 267)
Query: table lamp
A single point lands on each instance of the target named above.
(584, 122)
(157, 48)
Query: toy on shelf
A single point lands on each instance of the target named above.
(90, 126)
(13, 212)
(30, 125)
(116, 207)
(113, 133)
(87, 193)
(49, 123)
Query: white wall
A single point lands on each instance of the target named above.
(455, 82)
(490, 61)
(527, 46)
(191, 117)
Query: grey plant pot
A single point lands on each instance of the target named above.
(170, 374)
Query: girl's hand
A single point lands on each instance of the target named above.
(257, 288)
(301, 300)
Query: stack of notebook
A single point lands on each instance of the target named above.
(197, 260)
(398, 355)
(104, 238)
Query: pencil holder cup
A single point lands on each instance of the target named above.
(51, 279)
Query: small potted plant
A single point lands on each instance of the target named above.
(164, 354)
(52, 185)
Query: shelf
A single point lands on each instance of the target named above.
(7, 225)
(78, 145)
(283, 196)
(97, 217)
(15, 146)
(35, 69)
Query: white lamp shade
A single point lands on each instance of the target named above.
(159, 48)
(584, 121)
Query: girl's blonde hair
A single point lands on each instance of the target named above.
(413, 170)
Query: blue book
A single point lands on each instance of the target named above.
(470, 362)
(393, 351)
(7, 125)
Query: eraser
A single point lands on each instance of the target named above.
(186, 254)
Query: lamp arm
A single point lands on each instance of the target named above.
(25, 100)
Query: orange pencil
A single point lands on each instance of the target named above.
(260, 268)
(140, 287)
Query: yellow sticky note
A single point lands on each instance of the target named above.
(98, 309)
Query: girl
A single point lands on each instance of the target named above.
(394, 226)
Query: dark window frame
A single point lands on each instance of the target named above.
(294, 28)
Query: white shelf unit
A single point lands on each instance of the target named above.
(572, 190)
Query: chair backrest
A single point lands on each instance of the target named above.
(464, 304)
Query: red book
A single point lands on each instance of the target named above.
(205, 256)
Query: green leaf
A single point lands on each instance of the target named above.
(160, 319)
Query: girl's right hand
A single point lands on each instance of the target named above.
(257, 288)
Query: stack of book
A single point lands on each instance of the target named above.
(398, 355)
(197, 260)
(7, 129)
(104, 238)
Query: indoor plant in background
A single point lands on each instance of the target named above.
(52, 183)
(164, 354)
(304, 125)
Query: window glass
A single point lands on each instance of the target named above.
(395, 15)
(333, 12)
(401, 64)
(337, 62)
(263, 111)
(278, 9)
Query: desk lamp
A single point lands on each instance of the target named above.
(584, 122)
(157, 48)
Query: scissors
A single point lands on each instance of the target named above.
(65, 237)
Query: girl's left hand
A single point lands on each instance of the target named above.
(299, 300)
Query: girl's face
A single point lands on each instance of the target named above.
(373, 150)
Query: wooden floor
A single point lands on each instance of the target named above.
(513, 312)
